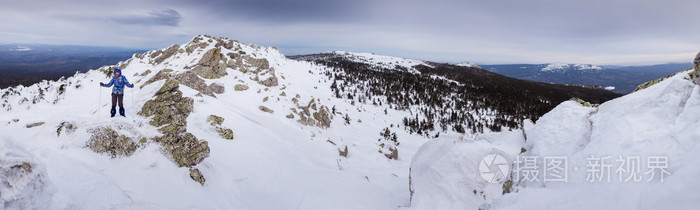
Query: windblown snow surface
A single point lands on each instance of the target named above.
(277, 163)
(657, 126)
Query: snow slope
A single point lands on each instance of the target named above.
(636, 130)
(272, 163)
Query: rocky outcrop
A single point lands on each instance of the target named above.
(165, 54)
(106, 140)
(169, 111)
(314, 115)
(189, 79)
(212, 65)
(216, 121)
(197, 176)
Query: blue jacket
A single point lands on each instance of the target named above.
(119, 83)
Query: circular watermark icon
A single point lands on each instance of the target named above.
(493, 168)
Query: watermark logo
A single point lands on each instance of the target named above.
(494, 168)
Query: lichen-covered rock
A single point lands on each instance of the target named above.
(189, 79)
(69, 127)
(169, 107)
(148, 71)
(651, 83)
(270, 81)
(212, 65)
(197, 176)
(225, 133)
(31, 125)
(185, 149)
(216, 88)
(106, 140)
(259, 63)
(240, 87)
(265, 109)
(170, 110)
(215, 120)
(161, 75)
(696, 66)
(166, 54)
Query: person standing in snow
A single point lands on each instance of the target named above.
(119, 81)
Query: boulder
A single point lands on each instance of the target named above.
(197, 176)
(211, 65)
(106, 140)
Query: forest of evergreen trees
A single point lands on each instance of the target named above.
(469, 100)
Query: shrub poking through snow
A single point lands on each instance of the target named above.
(388, 143)
(69, 127)
(343, 152)
(106, 140)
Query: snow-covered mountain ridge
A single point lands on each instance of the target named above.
(215, 123)
(563, 67)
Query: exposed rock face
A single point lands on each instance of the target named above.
(313, 115)
(170, 110)
(197, 176)
(189, 79)
(106, 140)
(162, 74)
(166, 54)
(212, 65)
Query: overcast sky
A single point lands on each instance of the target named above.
(623, 32)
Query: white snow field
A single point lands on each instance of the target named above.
(615, 155)
(275, 162)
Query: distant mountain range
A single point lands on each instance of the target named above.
(27, 64)
(620, 79)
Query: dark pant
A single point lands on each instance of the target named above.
(117, 98)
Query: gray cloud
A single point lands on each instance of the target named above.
(166, 17)
(496, 31)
